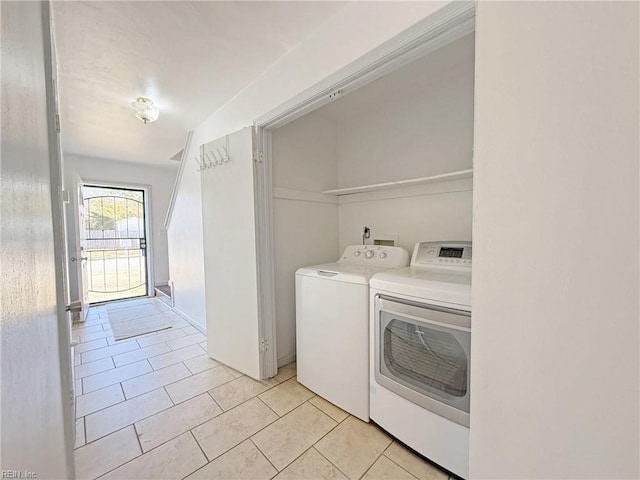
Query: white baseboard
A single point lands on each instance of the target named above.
(201, 328)
(286, 360)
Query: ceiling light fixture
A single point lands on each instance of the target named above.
(145, 110)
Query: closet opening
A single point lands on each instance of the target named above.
(394, 155)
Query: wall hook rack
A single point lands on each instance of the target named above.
(211, 158)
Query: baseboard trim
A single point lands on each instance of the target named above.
(286, 360)
(200, 328)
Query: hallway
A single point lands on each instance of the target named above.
(156, 406)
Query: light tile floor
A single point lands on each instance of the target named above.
(156, 407)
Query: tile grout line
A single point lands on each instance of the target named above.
(323, 436)
(135, 431)
(179, 361)
(129, 425)
(394, 462)
(106, 356)
(208, 392)
(122, 464)
(103, 408)
(92, 349)
(140, 419)
(84, 427)
(77, 377)
(378, 458)
(153, 371)
(205, 455)
(265, 455)
(209, 368)
(248, 438)
(312, 445)
(164, 387)
(126, 379)
(327, 459)
(266, 405)
(193, 375)
(186, 431)
(244, 401)
(157, 413)
(122, 390)
(144, 358)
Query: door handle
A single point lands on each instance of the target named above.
(74, 259)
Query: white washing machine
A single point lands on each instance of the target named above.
(332, 324)
(420, 349)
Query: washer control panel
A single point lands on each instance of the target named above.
(442, 254)
(375, 255)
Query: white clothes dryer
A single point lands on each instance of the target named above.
(332, 324)
(420, 350)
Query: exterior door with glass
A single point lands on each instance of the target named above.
(115, 242)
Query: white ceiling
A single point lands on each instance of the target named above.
(190, 58)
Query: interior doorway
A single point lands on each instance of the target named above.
(114, 242)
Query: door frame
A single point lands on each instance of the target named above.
(58, 199)
(449, 23)
(147, 225)
(79, 254)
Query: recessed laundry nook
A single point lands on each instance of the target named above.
(334, 168)
(320, 240)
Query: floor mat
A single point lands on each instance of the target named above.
(134, 325)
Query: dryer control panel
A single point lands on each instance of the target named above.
(455, 255)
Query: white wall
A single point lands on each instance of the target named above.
(159, 178)
(32, 395)
(555, 364)
(304, 154)
(305, 226)
(185, 239)
(415, 122)
(431, 213)
(333, 45)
